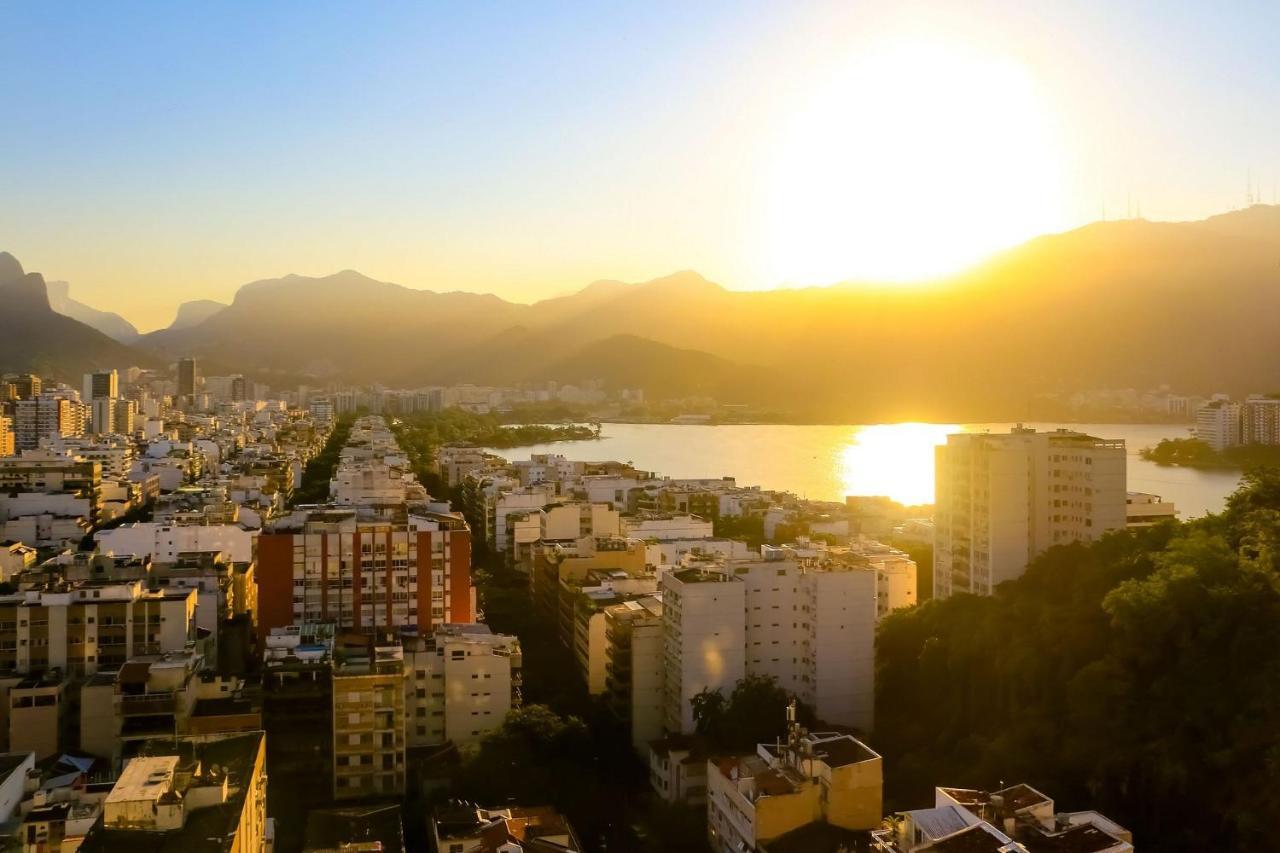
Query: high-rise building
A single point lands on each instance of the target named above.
(187, 378)
(635, 671)
(368, 725)
(808, 624)
(7, 445)
(26, 385)
(102, 415)
(101, 384)
(365, 572)
(705, 635)
(1002, 499)
(1218, 424)
(238, 389)
(1260, 420)
(321, 409)
(48, 414)
(125, 415)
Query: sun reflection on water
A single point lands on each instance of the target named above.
(894, 460)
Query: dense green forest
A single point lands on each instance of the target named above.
(1139, 675)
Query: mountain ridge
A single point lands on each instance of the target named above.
(1110, 304)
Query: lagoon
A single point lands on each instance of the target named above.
(824, 462)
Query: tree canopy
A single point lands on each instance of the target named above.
(755, 712)
(1139, 675)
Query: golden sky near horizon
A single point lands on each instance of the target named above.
(186, 153)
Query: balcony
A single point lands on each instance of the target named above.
(147, 703)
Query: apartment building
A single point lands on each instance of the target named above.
(160, 696)
(164, 541)
(1218, 423)
(553, 566)
(369, 724)
(8, 445)
(582, 618)
(188, 374)
(704, 637)
(454, 462)
(47, 498)
(192, 793)
(635, 671)
(373, 482)
(788, 795)
(1260, 420)
(48, 414)
(1016, 819)
(365, 571)
(807, 624)
(81, 627)
(297, 714)
(463, 680)
(1003, 499)
(666, 526)
(1147, 510)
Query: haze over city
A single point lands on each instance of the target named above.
(812, 427)
(171, 154)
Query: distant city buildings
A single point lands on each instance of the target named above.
(1002, 499)
(1223, 423)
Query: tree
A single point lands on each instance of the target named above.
(1139, 675)
(755, 712)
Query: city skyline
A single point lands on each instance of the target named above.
(528, 153)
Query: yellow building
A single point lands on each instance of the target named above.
(815, 781)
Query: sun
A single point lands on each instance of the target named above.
(916, 160)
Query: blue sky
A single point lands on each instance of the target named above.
(157, 152)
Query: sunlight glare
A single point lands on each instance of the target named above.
(917, 160)
(895, 460)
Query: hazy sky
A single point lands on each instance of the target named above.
(152, 153)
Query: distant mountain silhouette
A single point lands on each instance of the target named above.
(35, 338)
(109, 323)
(194, 313)
(1113, 304)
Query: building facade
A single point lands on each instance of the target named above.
(1002, 499)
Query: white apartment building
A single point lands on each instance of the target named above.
(808, 625)
(164, 542)
(672, 552)
(1002, 499)
(704, 634)
(369, 482)
(1218, 424)
(461, 685)
(662, 526)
